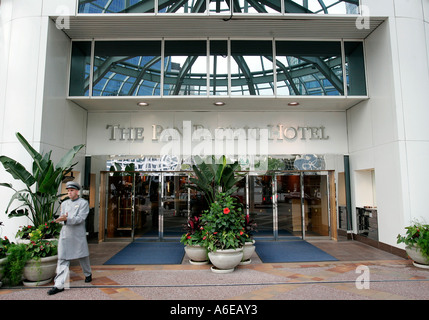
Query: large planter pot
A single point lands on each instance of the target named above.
(418, 259)
(248, 250)
(39, 272)
(2, 262)
(225, 261)
(197, 254)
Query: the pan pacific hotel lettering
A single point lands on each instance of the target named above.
(158, 133)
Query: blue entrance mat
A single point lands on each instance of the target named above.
(149, 253)
(290, 251)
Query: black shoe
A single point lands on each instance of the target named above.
(88, 278)
(55, 290)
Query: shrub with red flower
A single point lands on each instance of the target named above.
(224, 224)
(48, 230)
(417, 235)
(42, 248)
(194, 232)
(4, 245)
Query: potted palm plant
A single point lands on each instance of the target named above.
(416, 240)
(38, 200)
(224, 233)
(214, 176)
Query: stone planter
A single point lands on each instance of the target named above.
(418, 259)
(2, 262)
(248, 250)
(225, 261)
(39, 272)
(197, 254)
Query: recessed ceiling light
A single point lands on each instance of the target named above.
(142, 104)
(293, 104)
(219, 103)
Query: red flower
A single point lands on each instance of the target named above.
(204, 238)
(241, 233)
(189, 237)
(226, 211)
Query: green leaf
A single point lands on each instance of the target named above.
(66, 161)
(33, 153)
(17, 171)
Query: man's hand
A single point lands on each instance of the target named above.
(62, 218)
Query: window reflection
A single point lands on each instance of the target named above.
(132, 68)
(185, 6)
(218, 67)
(220, 6)
(211, 68)
(309, 68)
(252, 7)
(116, 6)
(185, 70)
(251, 68)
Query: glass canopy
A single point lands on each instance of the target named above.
(217, 67)
(220, 6)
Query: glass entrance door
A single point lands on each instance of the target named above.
(147, 205)
(289, 205)
(129, 210)
(260, 205)
(175, 205)
(316, 204)
(288, 198)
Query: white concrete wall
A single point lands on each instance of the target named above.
(389, 132)
(33, 89)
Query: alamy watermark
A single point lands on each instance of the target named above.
(363, 280)
(363, 21)
(244, 143)
(63, 19)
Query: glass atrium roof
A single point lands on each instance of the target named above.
(217, 68)
(220, 6)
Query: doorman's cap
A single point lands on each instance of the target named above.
(73, 185)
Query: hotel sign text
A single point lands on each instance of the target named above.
(198, 132)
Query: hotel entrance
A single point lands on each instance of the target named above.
(290, 205)
(156, 205)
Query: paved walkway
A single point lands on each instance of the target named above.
(372, 279)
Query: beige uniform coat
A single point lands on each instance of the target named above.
(73, 243)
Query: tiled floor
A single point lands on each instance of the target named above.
(361, 273)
